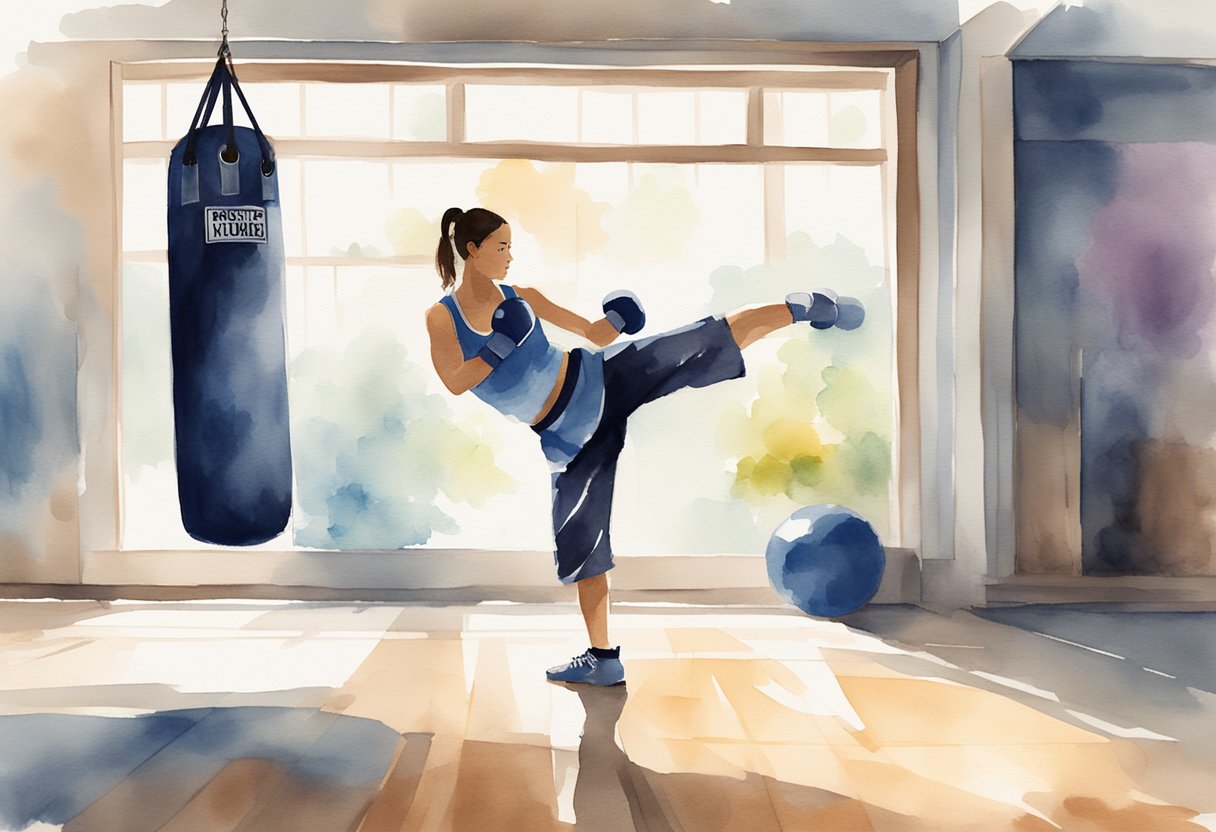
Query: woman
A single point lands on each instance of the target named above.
(487, 337)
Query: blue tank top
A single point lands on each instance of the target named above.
(524, 380)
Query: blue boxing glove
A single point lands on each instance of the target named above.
(624, 311)
(849, 313)
(818, 308)
(512, 322)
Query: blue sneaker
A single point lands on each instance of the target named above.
(588, 669)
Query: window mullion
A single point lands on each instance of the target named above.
(755, 117)
(456, 113)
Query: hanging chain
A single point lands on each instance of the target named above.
(224, 50)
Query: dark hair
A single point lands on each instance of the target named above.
(471, 226)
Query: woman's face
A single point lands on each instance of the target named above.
(493, 257)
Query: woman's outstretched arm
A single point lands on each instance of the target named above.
(600, 332)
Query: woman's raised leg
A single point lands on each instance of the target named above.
(750, 325)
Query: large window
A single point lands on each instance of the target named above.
(701, 190)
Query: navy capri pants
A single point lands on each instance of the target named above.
(584, 432)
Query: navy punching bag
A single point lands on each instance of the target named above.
(226, 269)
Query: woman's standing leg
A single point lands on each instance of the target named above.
(582, 509)
(593, 601)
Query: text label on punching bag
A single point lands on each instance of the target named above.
(236, 224)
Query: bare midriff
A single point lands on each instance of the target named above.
(557, 389)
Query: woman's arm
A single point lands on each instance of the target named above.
(601, 332)
(456, 374)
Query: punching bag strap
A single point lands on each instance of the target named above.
(267, 150)
(230, 171)
(230, 153)
(223, 79)
(189, 189)
(202, 113)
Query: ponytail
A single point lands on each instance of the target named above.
(457, 229)
(445, 261)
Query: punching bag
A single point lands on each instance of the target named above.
(226, 270)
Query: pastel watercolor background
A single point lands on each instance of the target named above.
(1052, 416)
(1110, 264)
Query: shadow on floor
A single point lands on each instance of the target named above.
(206, 768)
(301, 769)
(1146, 678)
(614, 793)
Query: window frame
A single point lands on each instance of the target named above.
(895, 72)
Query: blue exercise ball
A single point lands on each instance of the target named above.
(826, 560)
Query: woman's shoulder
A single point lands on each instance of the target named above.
(526, 292)
(440, 309)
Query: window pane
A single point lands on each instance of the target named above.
(149, 479)
(430, 185)
(802, 118)
(606, 117)
(346, 204)
(320, 323)
(291, 205)
(856, 119)
(275, 106)
(144, 189)
(346, 110)
(667, 117)
(664, 226)
(141, 112)
(736, 235)
(181, 99)
(827, 201)
(723, 117)
(797, 119)
(420, 113)
(497, 112)
(421, 193)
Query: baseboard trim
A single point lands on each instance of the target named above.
(713, 580)
(1140, 592)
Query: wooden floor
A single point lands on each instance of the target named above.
(214, 716)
